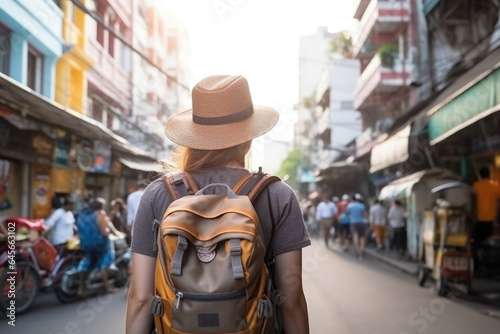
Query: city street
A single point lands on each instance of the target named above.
(345, 296)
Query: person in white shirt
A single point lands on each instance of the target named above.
(397, 222)
(133, 201)
(326, 213)
(61, 224)
(378, 221)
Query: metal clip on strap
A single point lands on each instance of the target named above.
(179, 254)
(235, 248)
(157, 306)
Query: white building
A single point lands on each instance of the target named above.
(338, 123)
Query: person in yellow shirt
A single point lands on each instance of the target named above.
(487, 199)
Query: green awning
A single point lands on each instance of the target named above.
(429, 5)
(478, 101)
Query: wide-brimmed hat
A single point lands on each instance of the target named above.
(222, 116)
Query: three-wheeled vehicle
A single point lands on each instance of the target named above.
(445, 253)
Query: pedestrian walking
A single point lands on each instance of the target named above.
(118, 215)
(61, 225)
(378, 221)
(343, 222)
(487, 193)
(397, 222)
(326, 213)
(214, 138)
(356, 210)
(133, 200)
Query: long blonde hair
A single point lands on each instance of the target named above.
(191, 160)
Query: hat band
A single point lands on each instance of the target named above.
(223, 119)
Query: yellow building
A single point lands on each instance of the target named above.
(71, 76)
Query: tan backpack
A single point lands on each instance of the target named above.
(211, 273)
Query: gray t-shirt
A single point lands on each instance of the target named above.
(290, 232)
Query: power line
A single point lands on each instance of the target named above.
(100, 21)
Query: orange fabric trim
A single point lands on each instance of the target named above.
(241, 182)
(249, 214)
(189, 229)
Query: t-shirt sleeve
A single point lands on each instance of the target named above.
(290, 231)
(153, 204)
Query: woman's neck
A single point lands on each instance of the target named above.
(235, 164)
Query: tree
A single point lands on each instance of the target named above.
(342, 44)
(289, 168)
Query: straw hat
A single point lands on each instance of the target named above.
(222, 116)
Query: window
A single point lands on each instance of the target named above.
(35, 70)
(4, 51)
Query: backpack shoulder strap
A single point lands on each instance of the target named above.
(180, 184)
(254, 184)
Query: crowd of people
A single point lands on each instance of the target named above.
(350, 220)
(93, 226)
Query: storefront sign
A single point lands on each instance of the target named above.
(62, 153)
(85, 155)
(102, 157)
(43, 145)
(475, 103)
(41, 192)
(485, 144)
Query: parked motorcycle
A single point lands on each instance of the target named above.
(118, 274)
(29, 265)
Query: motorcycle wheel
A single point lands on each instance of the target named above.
(63, 296)
(26, 285)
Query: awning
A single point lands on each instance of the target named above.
(400, 188)
(391, 151)
(337, 170)
(41, 109)
(141, 165)
(471, 98)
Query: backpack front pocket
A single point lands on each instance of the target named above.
(209, 313)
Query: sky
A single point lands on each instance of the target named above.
(258, 39)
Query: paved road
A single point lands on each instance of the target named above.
(345, 295)
(351, 296)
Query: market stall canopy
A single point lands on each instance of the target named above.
(391, 151)
(141, 165)
(402, 188)
(336, 170)
(458, 106)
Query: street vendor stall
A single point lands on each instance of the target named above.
(415, 192)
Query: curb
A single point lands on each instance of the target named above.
(404, 267)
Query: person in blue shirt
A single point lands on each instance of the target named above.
(356, 210)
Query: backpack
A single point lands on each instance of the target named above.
(91, 238)
(211, 273)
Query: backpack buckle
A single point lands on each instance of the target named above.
(157, 306)
(235, 248)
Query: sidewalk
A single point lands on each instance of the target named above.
(391, 258)
(485, 291)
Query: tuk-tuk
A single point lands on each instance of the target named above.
(445, 253)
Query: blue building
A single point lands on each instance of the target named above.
(31, 42)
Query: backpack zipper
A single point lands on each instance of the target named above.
(206, 297)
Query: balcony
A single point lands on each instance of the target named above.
(124, 10)
(380, 80)
(107, 74)
(380, 24)
(360, 8)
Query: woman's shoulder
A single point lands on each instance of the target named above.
(155, 189)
